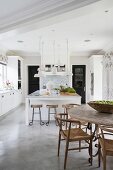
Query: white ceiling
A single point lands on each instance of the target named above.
(87, 23)
(15, 13)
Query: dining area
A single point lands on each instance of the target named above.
(83, 129)
(83, 123)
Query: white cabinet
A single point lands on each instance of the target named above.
(4, 103)
(0, 105)
(15, 71)
(9, 101)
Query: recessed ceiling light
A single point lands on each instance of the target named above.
(87, 40)
(106, 11)
(20, 41)
(53, 30)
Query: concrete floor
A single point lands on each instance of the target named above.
(35, 148)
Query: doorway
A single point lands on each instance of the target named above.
(78, 80)
(33, 82)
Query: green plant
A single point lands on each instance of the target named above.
(104, 102)
(67, 89)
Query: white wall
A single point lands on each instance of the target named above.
(95, 66)
(75, 60)
(29, 61)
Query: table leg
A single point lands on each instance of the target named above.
(95, 138)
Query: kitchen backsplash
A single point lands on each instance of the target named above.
(57, 80)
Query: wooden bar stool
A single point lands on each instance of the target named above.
(53, 106)
(36, 106)
(69, 106)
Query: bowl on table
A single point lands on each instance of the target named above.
(102, 106)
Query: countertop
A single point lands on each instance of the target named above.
(52, 96)
(7, 91)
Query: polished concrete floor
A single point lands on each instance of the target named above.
(35, 147)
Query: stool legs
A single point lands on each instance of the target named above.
(41, 123)
(31, 123)
(48, 117)
(54, 115)
(55, 111)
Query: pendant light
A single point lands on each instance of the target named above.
(41, 69)
(54, 69)
(68, 72)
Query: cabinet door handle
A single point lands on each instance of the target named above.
(2, 96)
(13, 93)
(10, 93)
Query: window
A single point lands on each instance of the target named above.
(3, 75)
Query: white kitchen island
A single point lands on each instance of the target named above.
(35, 98)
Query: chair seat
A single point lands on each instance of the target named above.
(108, 143)
(76, 134)
(36, 105)
(52, 106)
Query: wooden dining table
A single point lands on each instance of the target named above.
(88, 114)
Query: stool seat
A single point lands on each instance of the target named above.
(52, 106)
(36, 105)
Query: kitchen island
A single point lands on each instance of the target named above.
(36, 98)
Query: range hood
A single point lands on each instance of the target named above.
(53, 70)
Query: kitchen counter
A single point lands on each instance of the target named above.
(52, 96)
(36, 98)
(7, 91)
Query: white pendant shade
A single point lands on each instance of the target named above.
(55, 67)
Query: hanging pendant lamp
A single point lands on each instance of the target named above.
(41, 69)
(68, 72)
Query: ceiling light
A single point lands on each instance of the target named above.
(106, 11)
(87, 40)
(53, 30)
(20, 41)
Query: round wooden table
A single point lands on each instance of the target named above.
(86, 113)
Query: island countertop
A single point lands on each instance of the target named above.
(36, 98)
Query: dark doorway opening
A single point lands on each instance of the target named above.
(78, 80)
(33, 82)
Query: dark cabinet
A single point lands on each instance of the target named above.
(78, 81)
(19, 70)
(33, 82)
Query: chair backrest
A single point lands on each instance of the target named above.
(106, 132)
(62, 120)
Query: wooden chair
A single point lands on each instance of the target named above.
(70, 134)
(85, 125)
(105, 144)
